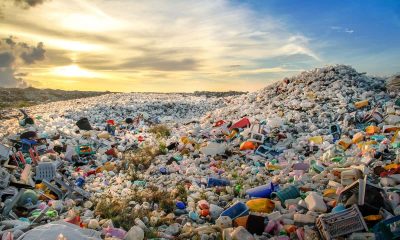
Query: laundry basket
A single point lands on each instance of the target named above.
(342, 223)
(45, 170)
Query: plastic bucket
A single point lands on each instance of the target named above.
(286, 193)
(239, 209)
(263, 191)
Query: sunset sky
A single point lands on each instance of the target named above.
(189, 45)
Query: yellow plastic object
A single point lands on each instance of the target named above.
(372, 130)
(361, 104)
(104, 135)
(345, 144)
(330, 192)
(263, 205)
(358, 137)
(316, 139)
(186, 140)
(373, 218)
(391, 166)
(247, 146)
(233, 134)
(273, 167)
(311, 95)
(395, 136)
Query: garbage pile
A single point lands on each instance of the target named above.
(315, 156)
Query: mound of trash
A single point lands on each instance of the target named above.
(314, 156)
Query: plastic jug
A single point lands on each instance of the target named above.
(263, 191)
(263, 205)
(350, 176)
(315, 202)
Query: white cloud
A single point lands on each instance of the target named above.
(342, 29)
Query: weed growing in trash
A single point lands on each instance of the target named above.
(161, 131)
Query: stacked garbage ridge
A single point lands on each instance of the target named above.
(314, 156)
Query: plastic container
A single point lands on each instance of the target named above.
(239, 209)
(27, 144)
(263, 205)
(350, 176)
(372, 130)
(316, 139)
(342, 223)
(243, 123)
(86, 149)
(290, 192)
(388, 229)
(336, 132)
(263, 191)
(358, 137)
(315, 202)
(361, 104)
(263, 150)
(45, 170)
(214, 182)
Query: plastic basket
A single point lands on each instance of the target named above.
(388, 229)
(342, 223)
(86, 149)
(239, 209)
(45, 170)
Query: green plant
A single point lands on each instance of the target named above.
(161, 131)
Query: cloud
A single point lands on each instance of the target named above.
(342, 29)
(13, 55)
(28, 3)
(6, 59)
(175, 39)
(33, 54)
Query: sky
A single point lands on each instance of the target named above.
(190, 45)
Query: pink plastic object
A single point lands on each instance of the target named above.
(115, 232)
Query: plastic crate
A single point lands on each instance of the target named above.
(86, 149)
(45, 170)
(342, 223)
(388, 229)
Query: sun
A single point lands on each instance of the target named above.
(73, 71)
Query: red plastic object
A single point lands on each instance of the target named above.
(111, 152)
(111, 122)
(91, 172)
(219, 123)
(76, 220)
(243, 123)
(140, 138)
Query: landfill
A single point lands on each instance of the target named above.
(313, 156)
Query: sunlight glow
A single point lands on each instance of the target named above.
(73, 71)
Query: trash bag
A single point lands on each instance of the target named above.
(84, 124)
(54, 229)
